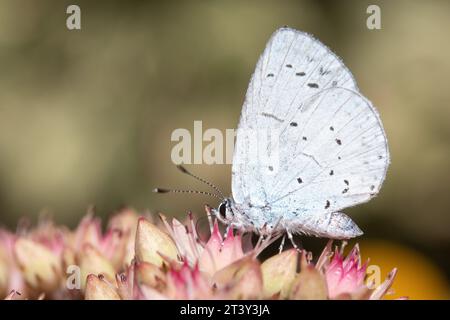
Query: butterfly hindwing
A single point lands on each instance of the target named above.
(335, 158)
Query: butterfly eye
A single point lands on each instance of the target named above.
(223, 210)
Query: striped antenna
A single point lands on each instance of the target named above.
(185, 171)
(161, 190)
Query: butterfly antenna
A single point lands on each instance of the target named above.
(161, 190)
(184, 170)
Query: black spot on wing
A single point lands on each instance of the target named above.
(299, 180)
(327, 205)
(270, 75)
(338, 141)
(300, 74)
(313, 85)
(323, 72)
(293, 124)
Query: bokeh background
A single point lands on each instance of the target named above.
(86, 116)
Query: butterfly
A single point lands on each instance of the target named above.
(308, 144)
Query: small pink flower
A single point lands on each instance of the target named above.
(187, 283)
(211, 257)
(219, 253)
(345, 275)
(116, 243)
(13, 280)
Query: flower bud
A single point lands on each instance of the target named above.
(93, 262)
(152, 243)
(99, 289)
(41, 268)
(279, 272)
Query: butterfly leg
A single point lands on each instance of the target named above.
(210, 215)
(261, 236)
(282, 243)
(291, 238)
(227, 230)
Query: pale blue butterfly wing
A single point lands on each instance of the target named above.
(331, 148)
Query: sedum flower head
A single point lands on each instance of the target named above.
(138, 258)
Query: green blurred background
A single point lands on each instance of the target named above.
(86, 116)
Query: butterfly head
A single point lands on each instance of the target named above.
(232, 214)
(224, 212)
